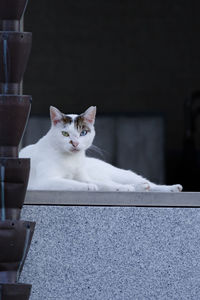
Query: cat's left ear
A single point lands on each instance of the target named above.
(55, 114)
(89, 114)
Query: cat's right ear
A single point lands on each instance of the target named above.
(89, 114)
(55, 114)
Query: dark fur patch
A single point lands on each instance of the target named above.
(66, 119)
(80, 123)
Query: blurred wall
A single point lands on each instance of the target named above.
(123, 56)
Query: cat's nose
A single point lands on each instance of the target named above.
(74, 144)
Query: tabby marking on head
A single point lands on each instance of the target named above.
(66, 119)
(80, 123)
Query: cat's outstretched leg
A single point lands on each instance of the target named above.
(128, 177)
(62, 184)
(111, 186)
(165, 188)
(105, 184)
(141, 184)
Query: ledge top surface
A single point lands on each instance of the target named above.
(66, 198)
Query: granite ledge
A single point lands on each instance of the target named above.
(65, 198)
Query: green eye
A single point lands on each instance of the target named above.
(65, 133)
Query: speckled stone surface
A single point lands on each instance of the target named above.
(113, 253)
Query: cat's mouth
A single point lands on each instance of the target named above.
(74, 150)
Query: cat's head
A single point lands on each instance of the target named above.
(73, 133)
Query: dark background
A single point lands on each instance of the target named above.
(122, 56)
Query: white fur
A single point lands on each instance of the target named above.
(57, 165)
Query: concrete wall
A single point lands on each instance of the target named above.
(113, 253)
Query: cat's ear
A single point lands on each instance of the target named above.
(55, 114)
(89, 114)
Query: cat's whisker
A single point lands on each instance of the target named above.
(96, 150)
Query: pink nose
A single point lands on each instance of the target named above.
(74, 144)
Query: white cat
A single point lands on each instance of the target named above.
(59, 162)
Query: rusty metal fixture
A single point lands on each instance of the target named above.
(11, 13)
(14, 174)
(15, 236)
(17, 291)
(12, 10)
(13, 122)
(15, 49)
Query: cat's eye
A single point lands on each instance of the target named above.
(83, 132)
(65, 133)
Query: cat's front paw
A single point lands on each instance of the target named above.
(92, 187)
(143, 186)
(176, 188)
(125, 188)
